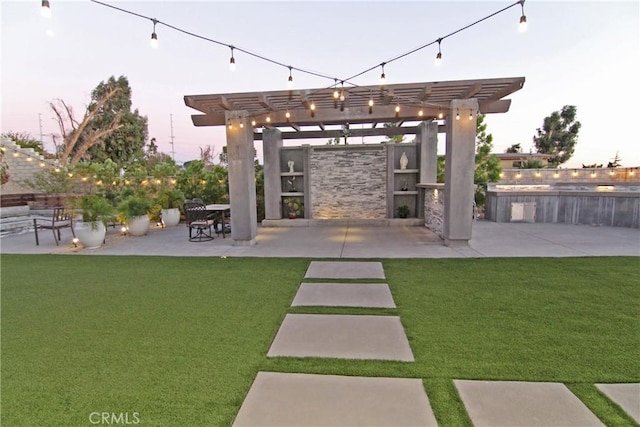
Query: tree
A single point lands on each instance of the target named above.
(515, 148)
(124, 145)
(487, 167)
(558, 135)
(78, 137)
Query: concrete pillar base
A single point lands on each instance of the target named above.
(456, 243)
(251, 242)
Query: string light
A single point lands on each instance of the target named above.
(232, 60)
(397, 110)
(46, 9)
(470, 115)
(241, 125)
(290, 80)
(275, 62)
(268, 119)
(383, 78)
(288, 115)
(523, 19)
(457, 114)
(154, 36)
(253, 123)
(371, 106)
(440, 115)
(312, 107)
(439, 55)
(420, 113)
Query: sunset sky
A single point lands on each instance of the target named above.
(579, 53)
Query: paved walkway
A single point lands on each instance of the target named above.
(489, 240)
(285, 399)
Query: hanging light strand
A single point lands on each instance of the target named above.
(302, 70)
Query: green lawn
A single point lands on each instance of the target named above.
(179, 340)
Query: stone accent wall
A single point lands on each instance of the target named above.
(434, 210)
(348, 182)
(613, 176)
(23, 164)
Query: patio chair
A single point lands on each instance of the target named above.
(197, 220)
(61, 218)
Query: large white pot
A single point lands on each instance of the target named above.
(90, 234)
(170, 217)
(138, 225)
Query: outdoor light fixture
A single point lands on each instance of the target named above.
(383, 78)
(232, 60)
(46, 9)
(457, 114)
(440, 115)
(229, 125)
(470, 115)
(439, 55)
(290, 80)
(154, 36)
(288, 115)
(523, 19)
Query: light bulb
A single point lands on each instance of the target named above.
(522, 27)
(287, 115)
(290, 80)
(312, 106)
(336, 94)
(46, 9)
(383, 77)
(232, 60)
(268, 119)
(420, 113)
(440, 115)
(253, 122)
(241, 125)
(439, 55)
(397, 108)
(470, 115)
(371, 103)
(154, 40)
(458, 115)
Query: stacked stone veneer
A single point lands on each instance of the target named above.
(349, 184)
(434, 207)
(23, 164)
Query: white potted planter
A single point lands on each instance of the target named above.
(138, 225)
(170, 217)
(90, 234)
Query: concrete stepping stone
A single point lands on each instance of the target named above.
(344, 270)
(278, 399)
(344, 295)
(627, 396)
(513, 403)
(342, 337)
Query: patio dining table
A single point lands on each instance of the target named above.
(222, 209)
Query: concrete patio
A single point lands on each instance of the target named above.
(355, 241)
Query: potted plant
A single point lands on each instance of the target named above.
(168, 203)
(294, 206)
(403, 211)
(133, 212)
(96, 212)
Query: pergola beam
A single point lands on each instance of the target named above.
(353, 133)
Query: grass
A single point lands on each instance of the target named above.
(179, 340)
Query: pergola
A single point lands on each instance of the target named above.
(414, 108)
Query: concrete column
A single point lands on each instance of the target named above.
(242, 186)
(271, 144)
(429, 154)
(459, 171)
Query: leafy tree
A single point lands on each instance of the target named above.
(515, 148)
(25, 140)
(79, 136)
(532, 164)
(487, 165)
(487, 168)
(125, 144)
(558, 135)
(207, 183)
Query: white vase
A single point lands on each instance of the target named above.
(138, 225)
(90, 235)
(403, 161)
(170, 217)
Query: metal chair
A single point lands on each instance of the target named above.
(196, 219)
(62, 218)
